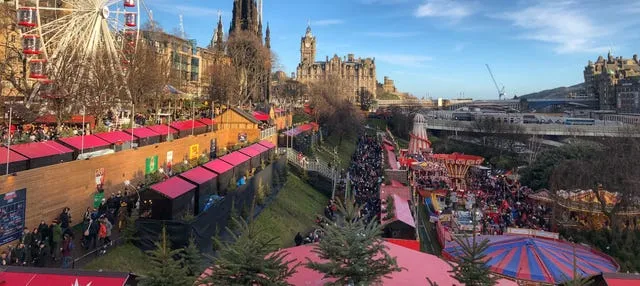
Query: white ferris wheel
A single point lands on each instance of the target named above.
(76, 30)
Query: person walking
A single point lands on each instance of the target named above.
(56, 238)
(67, 247)
(26, 241)
(122, 215)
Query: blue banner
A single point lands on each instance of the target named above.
(12, 215)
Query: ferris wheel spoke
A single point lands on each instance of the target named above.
(65, 9)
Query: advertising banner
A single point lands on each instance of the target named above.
(169, 160)
(151, 165)
(12, 215)
(194, 151)
(100, 178)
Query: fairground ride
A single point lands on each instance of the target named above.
(77, 32)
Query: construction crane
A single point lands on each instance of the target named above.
(501, 93)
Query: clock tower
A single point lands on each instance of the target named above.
(308, 48)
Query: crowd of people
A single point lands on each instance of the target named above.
(49, 244)
(38, 132)
(365, 175)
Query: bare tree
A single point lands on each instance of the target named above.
(289, 91)
(147, 76)
(253, 64)
(332, 106)
(225, 85)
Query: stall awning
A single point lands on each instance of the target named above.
(75, 119)
(250, 152)
(40, 149)
(207, 121)
(218, 166)
(267, 144)
(235, 158)
(199, 175)
(173, 187)
(260, 116)
(115, 137)
(301, 129)
(142, 132)
(13, 156)
(162, 129)
(48, 276)
(258, 147)
(187, 124)
(90, 141)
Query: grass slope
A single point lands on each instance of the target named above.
(293, 210)
(124, 258)
(345, 150)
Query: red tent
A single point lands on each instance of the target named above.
(186, 127)
(91, 143)
(116, 137)
(44, 153)
(207, 121)
(207, 185)
(260, 116)
(162, 129)
(253, 154)
(75, 119)
(267, 144)
(145, 136)
(224, 171)
(235, 158)
(51, 276)
(218, 166)
(17, 162)
(171, 199)
(410, 244)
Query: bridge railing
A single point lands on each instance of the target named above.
(383, 102)
(544, 129)
(308, 164)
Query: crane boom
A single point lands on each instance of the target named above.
(500, 92)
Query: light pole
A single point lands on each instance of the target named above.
(9, 143)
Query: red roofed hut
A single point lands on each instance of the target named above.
(171, 199)
(207, 185)
(44, 153)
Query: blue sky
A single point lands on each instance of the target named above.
(440, 47)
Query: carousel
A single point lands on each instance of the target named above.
(457, 166)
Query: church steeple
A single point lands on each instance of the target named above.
(267, 38)
(247, 16)
(219, 42)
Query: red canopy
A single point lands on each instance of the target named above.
(42, 276)
(187, 124)
(410, 244)
(235, 158)
(267, 144)
(621, 279)
(173, 187)
(90, 141)
(142, 132)
(251, 152)
(198, 175)
(13, 156)
(115, 137)
(218, 166)
(40, 149)
(207, 121)
(162, 129)
(260, 116)
(261, 149)
(75, 119)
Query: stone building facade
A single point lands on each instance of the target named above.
(360, 74)
(615, 82)
(388, 85)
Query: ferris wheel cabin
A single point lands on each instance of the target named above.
(37, 69)
(130, 3)
(130, 19)
(31, 44)
(28, 17)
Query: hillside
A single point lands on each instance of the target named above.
(559, 92)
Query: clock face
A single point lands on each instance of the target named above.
(307, 44)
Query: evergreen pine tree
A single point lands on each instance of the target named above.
(260, 193)
(251, 259)
(354, 250)
(192, 258)
(233, 216)
(233, 185)
(129, 232)
(164, 269)
(215, 245)
(471, 268)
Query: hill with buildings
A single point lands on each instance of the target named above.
(560, 92)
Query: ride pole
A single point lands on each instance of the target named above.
(9, 143)
(84, 111)
(193, 117)
(133, 121)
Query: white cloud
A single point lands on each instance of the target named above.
(564, 24)
(327, 22)
(404, 59)
(459, 47)
(452, 9)
(391, 34)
